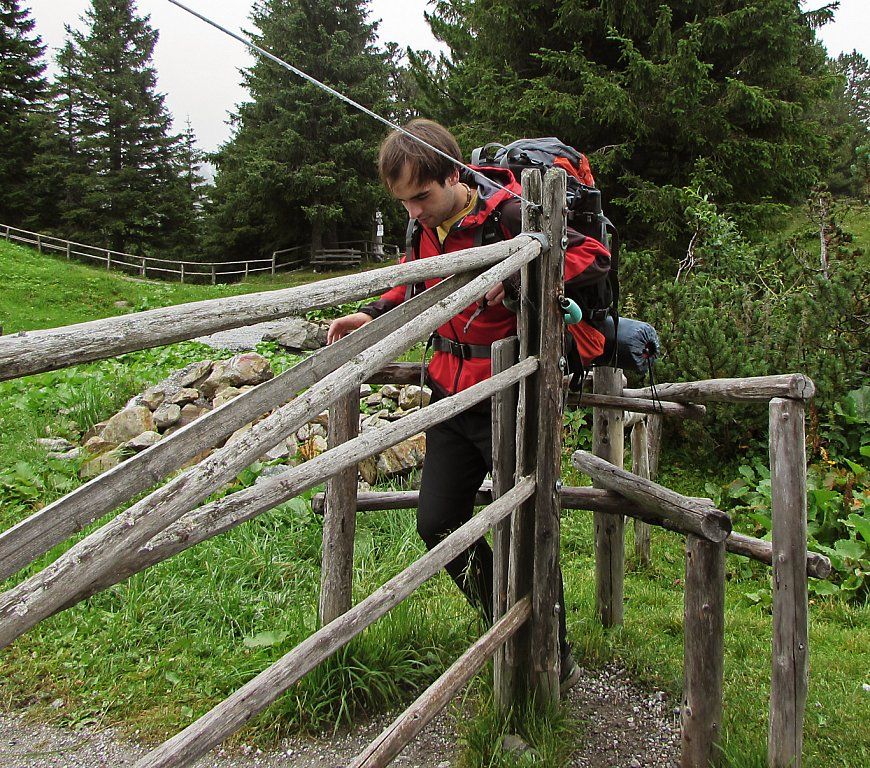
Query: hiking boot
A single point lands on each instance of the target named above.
(569, 674)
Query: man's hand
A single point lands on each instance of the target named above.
(342, 326)
(495, 295)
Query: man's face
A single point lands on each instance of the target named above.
(431, 202)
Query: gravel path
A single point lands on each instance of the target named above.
(622, 727)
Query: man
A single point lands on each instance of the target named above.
(455, 210)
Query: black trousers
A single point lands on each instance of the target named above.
(458, 457)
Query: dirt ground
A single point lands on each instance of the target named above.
(622, 726)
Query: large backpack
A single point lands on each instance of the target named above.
(583, 203)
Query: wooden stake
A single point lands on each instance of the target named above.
(640, 467)
(608, 444)
(552, 366)
(504, 459)
(703, 652)
(790, 658)
(518, 650)
(339, 520)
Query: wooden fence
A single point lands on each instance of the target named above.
(522, 505)
(192, 271)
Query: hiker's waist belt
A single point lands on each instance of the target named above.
(462, 351)
(596, 315)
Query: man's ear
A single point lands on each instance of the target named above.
(453, 179)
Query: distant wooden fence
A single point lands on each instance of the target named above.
(195, 271)
(348, 253)
(523, 506)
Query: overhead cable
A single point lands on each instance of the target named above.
(356, 105)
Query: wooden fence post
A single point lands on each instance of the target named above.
(504, 459)
(518, 651)
(339, 519)
(212, 275)
(552, 367)
(108, 259)
(7, 233)
(640, 467)
(68, 249)
(39, 243)
(608, 442)
(274, 262)
(790, 659)
(703, 651)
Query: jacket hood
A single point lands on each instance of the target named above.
(489, 195)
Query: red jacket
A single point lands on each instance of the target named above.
(586, 263)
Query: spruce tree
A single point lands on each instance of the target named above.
(22, 88)
(129, 193)
(300, 167)
(708, 94)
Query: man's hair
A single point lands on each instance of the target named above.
(425, 165)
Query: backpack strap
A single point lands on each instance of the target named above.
(412, 248)
(613, 280)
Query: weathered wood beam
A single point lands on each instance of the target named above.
(639, 405)
(54, 523)
(608, 439)
(93, 558)
(703, 652)
(29, 352)
(504, 461)
(790, 651)
(415, 718)
(754, 389)
(690, 515)
(339, 521)
(640, 467)
(597, 500)
(519, 653)
(257, 694)
(547, 576)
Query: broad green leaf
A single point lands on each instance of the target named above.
(860, 523)
(851, 549)
(265, 639)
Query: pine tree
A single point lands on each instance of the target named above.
(129, 193)
(300, 167)
(22, 87)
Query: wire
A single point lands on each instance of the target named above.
(347, 100)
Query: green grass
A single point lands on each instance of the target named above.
(43, 291)
(154, 652)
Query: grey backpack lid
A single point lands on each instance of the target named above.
(525, 152)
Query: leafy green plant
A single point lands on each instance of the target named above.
(838, 494)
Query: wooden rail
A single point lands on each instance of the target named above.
(30, 352)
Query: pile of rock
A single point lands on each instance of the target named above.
(200, 387)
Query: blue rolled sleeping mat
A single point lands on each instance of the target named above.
(637, 345)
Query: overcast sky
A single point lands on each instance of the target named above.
(198, 66)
